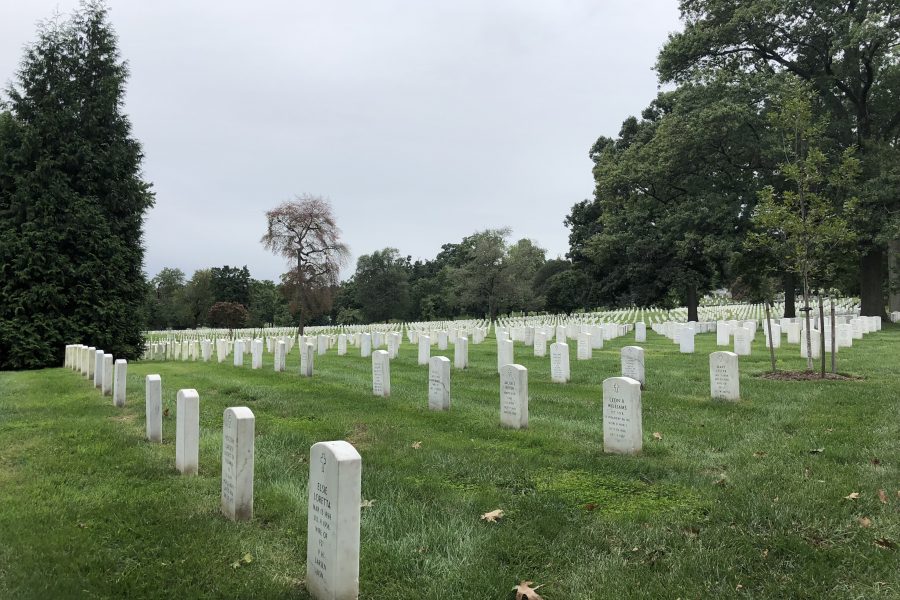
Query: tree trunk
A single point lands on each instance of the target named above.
(771, 347)
(871, 298)
(822, 334)
(894, 275)
(692, 303)
(790, 295)
(833, 339)
(808, 340)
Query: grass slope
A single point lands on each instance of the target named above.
(729, 503)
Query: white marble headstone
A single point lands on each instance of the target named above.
(559, 363)
(365, 345)
(119, 382)
(623, 431)
(461, 353)
(724, 376)
(632, 358)
(332, 546)
(153, 400)
(640, 332)
(238, 457)
(307, 359)
(504, 353)
(439, 383)
(514, 396)
(187, 431)
(381, 373)
(107, 374)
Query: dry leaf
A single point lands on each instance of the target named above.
(852, 496)
(416, 445)
(657, 435)
(590, 506)
(246, 559)
(875, 462)
(765, 553)
(865, 522)
(524, 591)
(722, 480)
(760, 454)
(885, 543)
(491, 517)
(166, 412)
(367, 504)
(882, 495)
(817, 451)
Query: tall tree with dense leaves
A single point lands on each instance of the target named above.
(382, 285)
(672, 198)
(305, 232)
(231, 284)
(72, 201)
(849, 52)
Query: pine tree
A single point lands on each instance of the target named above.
(72, 199)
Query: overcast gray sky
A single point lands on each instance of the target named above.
(422, 121)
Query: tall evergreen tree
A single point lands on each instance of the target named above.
(72, 201)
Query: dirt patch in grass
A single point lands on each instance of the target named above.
(124, 418)
(359, 435)
(808, 376)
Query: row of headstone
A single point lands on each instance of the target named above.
(109, 376)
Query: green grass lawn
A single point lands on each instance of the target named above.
(730, 502)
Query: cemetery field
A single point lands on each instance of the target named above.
(792, 492)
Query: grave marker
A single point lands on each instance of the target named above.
(640, 332)
(724, 380)
(238, 457)
(381, 374)
(622, 421)
(559, 363)
(332, 547)
(307, 358)
(439, 383)
(187, 432)
(107, 374)
(632, 358)
(514, 396)
(153, 409)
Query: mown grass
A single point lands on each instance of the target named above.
(729, 503)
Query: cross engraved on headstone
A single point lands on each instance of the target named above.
(323, 461)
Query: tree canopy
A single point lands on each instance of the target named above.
(72, 199)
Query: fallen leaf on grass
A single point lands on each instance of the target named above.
(590, 506)
(865, 522)
(166, 412)
(722, 480)
(244, 560)
(657, 435)
(885, 543)
(817, 451)
(491, 517)
(367, 504)
(760, 454)
(852, 496)
(882, 495)
(524, 591)
(416, 445)
(875, 462)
